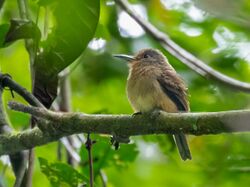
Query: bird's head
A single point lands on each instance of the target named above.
(144, 57)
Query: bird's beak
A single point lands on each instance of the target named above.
(124, 57)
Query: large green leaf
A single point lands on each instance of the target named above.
(76, 22)
(60, 174)
(75, 25)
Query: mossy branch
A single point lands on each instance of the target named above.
(57, 125)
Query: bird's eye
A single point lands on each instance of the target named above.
(146, 55)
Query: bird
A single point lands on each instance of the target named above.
(153, 84)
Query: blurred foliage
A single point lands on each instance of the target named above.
(105, 156)
(216, 32)
(61, 174)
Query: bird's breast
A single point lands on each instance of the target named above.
(145, 94)
(140, 93)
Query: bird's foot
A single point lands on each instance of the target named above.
(116, 140)
(155, 113)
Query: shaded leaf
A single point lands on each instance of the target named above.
(60, 174)
(22, 29)
(1, 4)
(3, 31)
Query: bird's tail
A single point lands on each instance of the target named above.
(182, 145)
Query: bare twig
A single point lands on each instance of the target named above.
(184, 56)
(89, 143)
(59, 150)
(30, 44)
(73, 154)
(65, 106)
(103, 178)
(22, 5)
(46, 23)
(29, 174)
(12, 85)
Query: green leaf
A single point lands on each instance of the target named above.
(102, 32)
(75, 25)
(76, 22)
(3, 31)
(60, 174)
(22, 29)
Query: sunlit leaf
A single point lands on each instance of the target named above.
(76, 21)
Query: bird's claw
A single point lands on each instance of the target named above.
(116, 140)
(115, 143)
(155, 113)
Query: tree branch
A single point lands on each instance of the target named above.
(18, 160)
(181, 54)
(6, 81)
(59, 125)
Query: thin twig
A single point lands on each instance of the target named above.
(46, 23)
(184, 56)
(30, 44)
(88, 145)
(19, 168)
(29, 174)
(103, 178)
(22, 5)
(65, 106)
(32, 48)
(59, 151)
(7, 81)
(73, 154)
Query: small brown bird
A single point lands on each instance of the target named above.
(154, 84)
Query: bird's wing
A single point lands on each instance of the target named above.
(175, 89)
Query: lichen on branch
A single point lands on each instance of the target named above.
(58, 125)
